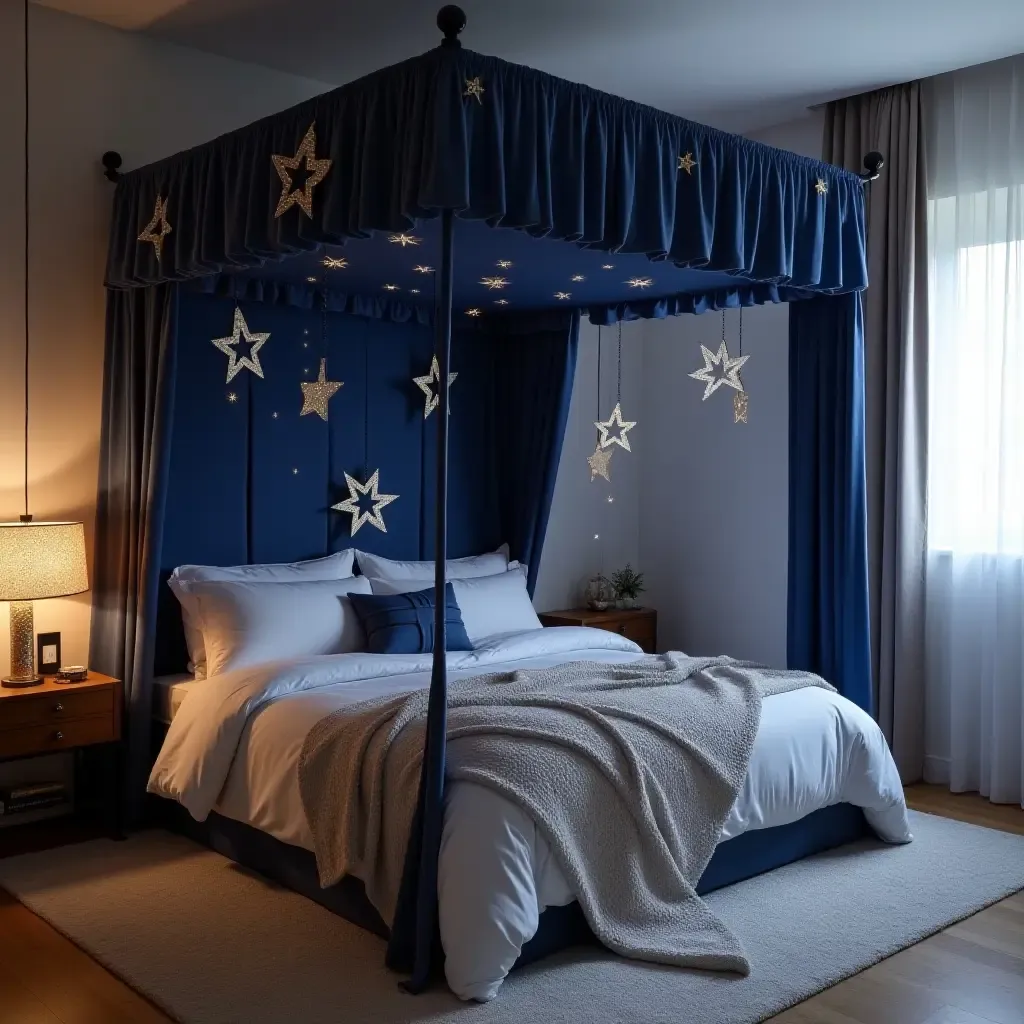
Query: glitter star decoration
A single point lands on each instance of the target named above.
(377, 501)
(391, 288)
(421, 268)
(578, 277)
(403, 240)
(494, 283)
(607, 266)
(150, 232)
(472, 312)
(232, 397)
(820, 187)
(503, 264)
(561, 296)
(615, 422)
(739, 407)
(316, 171)
(239, 331)
(728, 370)
(501, 302)
(599, 463)
(332, 263)
(475, 89)
(426, 385)
(687, 163)
(640, 282)
(315, 396)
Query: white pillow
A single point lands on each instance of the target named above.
(249, 623)
(455, 568)
(338, 566)
(489, 604)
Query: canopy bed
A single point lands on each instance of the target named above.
(408, 257)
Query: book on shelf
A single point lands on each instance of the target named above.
(32, 797)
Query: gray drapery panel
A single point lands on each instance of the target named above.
(896, 385)
(137, 409)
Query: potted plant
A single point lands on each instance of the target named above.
(628, 584)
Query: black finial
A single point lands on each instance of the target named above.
(874, 162)
(451, 20)
(112, 162)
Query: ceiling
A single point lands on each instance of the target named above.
(737, 64)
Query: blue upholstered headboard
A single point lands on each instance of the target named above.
(252, 481)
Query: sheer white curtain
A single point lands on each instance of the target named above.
(975, 565)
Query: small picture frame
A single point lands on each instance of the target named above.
(48, 654)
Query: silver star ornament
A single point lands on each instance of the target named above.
(728, 370)
(615, 421)
(378, 501)
(426, 385)
(240, 329)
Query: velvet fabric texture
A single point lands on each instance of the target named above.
(404, 623)
(828, 629)
(138, 414)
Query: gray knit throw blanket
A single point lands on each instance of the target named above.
(629, 771)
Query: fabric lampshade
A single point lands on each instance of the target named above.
(40, 560)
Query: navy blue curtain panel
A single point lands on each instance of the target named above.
(138, 404)
(828, 630)
(533, 377)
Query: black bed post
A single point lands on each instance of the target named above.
(437, 711)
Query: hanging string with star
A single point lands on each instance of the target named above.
(615, 422)
(600, 461)
(728, 368)
(317, 394)
(740, 401)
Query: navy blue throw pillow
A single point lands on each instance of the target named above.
(404, 623)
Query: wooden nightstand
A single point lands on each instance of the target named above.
(80, 717)
(638, 624)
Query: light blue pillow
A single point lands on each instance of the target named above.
(404, 623)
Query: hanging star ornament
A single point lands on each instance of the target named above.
(616, 421)
(158, 220)
(426, 385)
(494, 282)
(475, 89)
(600, 462)
(739, 407)
(729, 370)
(317, 394)
(316, 171)
(687, 163)
(356, 490)
(239, 331)
(333, 263)
(821, 187)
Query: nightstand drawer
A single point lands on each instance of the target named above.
(52, 708)
(640, 631)
(42, 739)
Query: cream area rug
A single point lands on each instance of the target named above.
(211, 943)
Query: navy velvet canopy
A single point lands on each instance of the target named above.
(453, 191)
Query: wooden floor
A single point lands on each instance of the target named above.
(972, 973)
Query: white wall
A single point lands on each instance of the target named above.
(580, 508)
(93, 88)
(713, 517)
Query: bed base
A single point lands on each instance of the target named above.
(750, 854)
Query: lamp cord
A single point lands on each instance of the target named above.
(599, 371)
(26, 516)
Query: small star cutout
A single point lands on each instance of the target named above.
(599, 463)
(472, 312)
(607, 266)
(730, 370)
(414, 291)
(240, 330)
(422, 269)
(640, 282)
(820, 187)
(295, 471)
(377, 501)
(494, 282)
(316, 171)
(315, 396)
(501, 302)
(426, 385)
(332, 263)
(577, 277)
(475, 89)
(561, 296)
(391, 288)
(616, 420)
(687, 163)
(149, 234)
(311, 280)
(504, 264)
(404, 240)
(274, 415)
(232, 397)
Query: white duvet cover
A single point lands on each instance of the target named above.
(235, 742)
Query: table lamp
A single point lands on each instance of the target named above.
(37, 560)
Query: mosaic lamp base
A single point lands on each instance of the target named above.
(22, 636)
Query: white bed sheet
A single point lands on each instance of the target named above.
(496, 873)
(169, 692)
